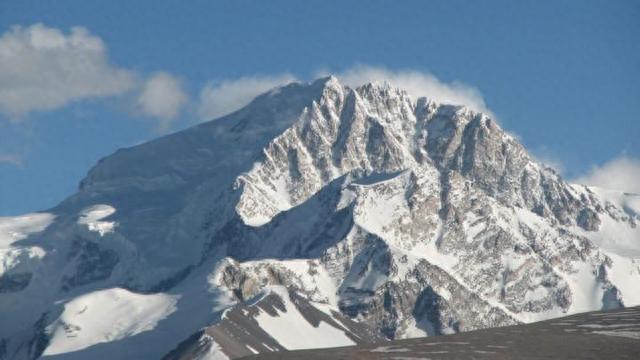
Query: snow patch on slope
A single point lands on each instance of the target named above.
(92, 216)
(13, 229)
(613, 235)
(214, 351)
(310, 275)
(624, 273)
(617, 237)
(293, 331)
(17, 228)
(106, 315)
(618, 240)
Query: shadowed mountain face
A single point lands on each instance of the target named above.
(613, 334)
(394, 217)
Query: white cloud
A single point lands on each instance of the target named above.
(41, 68)
(11, 159)
(162, 97)
(621, 173)
(224, 97)
(417, 84)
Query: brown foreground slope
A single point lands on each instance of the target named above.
(613, 334)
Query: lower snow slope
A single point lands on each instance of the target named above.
(104, 316)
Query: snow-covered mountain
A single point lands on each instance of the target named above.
(384, 217)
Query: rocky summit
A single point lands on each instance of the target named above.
(317, 216)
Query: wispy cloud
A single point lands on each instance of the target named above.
(223, 97)
(162, 97)
(417, 84)
(620, 173)
(11, 159)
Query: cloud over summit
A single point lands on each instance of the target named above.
(223, 97)
(417, 84)
(621, 173)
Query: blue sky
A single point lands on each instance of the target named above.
(562, 75)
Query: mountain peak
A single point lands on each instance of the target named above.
(394, 216)
(330, 80)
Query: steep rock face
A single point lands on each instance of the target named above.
(478, 178)
(406, 216)
(334, 135)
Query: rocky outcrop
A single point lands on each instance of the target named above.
(92, 264)
(14, 282)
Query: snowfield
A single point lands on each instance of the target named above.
(106, 315)
(288, 322)
(17, 228)
(92, 216)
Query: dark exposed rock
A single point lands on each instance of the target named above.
(588, 220)
(14, 282)
(93, 264)
(38, 343)
(3, 349)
